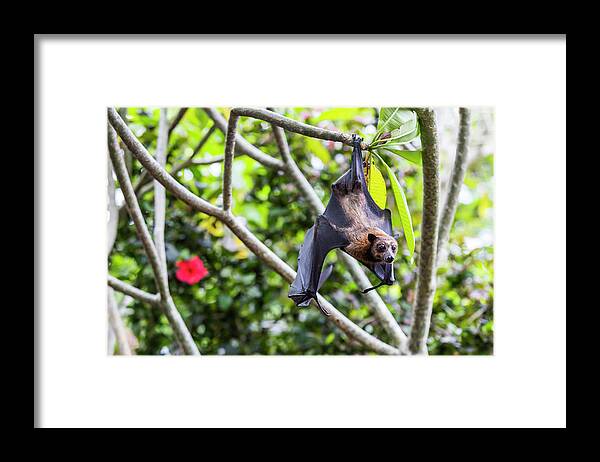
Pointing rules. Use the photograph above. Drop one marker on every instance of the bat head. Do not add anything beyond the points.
(383, 247)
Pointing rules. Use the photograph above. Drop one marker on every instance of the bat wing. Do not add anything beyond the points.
(384, 271)
(318, 242)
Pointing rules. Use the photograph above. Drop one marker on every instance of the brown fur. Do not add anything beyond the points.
(361, 225)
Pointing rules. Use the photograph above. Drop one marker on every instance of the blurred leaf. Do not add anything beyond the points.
(224, 301)
(123, 266)
(316, 147)
(213, 226)
(340, 114)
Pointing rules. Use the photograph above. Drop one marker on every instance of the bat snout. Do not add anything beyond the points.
(389, 259)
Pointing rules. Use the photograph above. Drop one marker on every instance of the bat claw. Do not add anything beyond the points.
(323, 310)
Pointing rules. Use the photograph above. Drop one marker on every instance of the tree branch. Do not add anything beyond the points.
(426, 274)
(251, 241)
(293, 126)
(176, 120)
(383, 314)
(138, 294)
(110, 341)
(113, 210)
(181, 332)
(244, 146)
(456, 180)
(160, 200)
(228, 164)
(116, 323)
(191, 161)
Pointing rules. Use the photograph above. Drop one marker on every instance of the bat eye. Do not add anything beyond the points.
(381, 247)
(394, 248)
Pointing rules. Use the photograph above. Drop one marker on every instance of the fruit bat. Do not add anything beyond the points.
(353, 222)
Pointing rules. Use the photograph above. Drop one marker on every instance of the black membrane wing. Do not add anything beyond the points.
(385, 271)
(318, 242)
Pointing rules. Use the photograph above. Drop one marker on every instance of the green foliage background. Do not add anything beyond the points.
(241, 307)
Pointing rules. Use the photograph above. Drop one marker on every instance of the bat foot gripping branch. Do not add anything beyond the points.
(323, 310)
(374, 287)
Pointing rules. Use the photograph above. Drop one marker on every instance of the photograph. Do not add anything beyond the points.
(300, 230)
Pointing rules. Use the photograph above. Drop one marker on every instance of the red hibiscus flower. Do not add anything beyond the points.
(191, 271)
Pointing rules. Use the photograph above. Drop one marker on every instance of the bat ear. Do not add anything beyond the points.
(371, 237)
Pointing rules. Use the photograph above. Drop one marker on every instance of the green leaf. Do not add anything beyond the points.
(317, 148)
(393, 118)
(411, 156)
(376, 184)
(401, 124)
(123, 266)
(402, 206)
(407, 128)
(224, 301)
(341, 114)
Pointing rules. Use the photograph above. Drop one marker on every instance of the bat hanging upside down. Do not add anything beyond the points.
(352, 222)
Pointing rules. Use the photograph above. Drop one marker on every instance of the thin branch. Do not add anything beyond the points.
(208, 161)
(181, 332)
(117, 325)
(212, 160)
(293, 126)
(143, 180)
(160, 200)
(228, 164)
(177, 119)
(252, 242)
(191, 161)
(128, 157)
(456, 180)
(425, 289)
(296, 174)
(242, 145)
(110, 341)
(113, 210)
(384, 316)
(138, 294)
